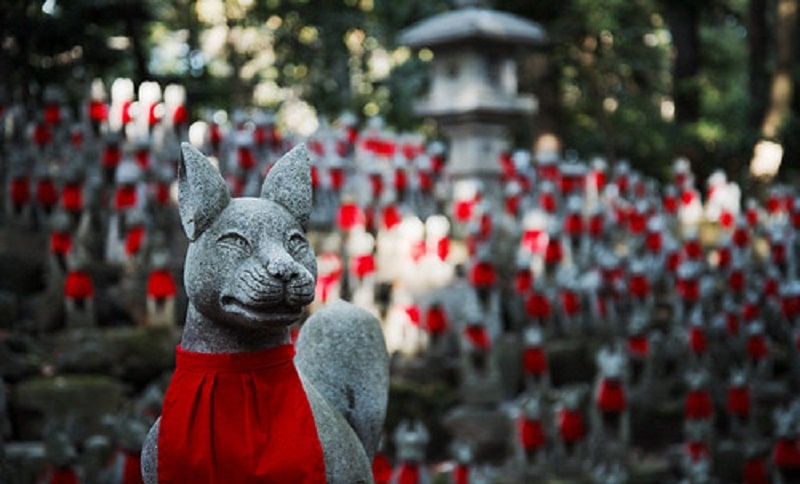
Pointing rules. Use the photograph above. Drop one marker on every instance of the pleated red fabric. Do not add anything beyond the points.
(238, 417)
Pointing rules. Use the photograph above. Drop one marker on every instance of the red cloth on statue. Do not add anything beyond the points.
(132, 468)
(78, 285)
(436, 320)
(478, 336)
(408, 473)
(639, 345)
(523, 281)
(443, 248)
(738, 401)
(755, 471)
(571, 427)
(363, 265)
(336, 174)
(72, 197)
(62, 476)
(246, 159)
(98, 111)
(142, 158)
(111, 157)
(161, 284)
(553, 253)
(570, 303)
(180, 115)
(534, 361)
(610, 396)
(697, 450)
(412, 311)
(390, 216)
(573, 224)
(511, 205)
(238, 417)
(757, 347)
(538, 306)
(125, 197)
(133, 240)
(698, 405)
(20, 190)
(786, 453)
(381, 468)
(162, 193)
(461, 474)
(376, 184)
(46, 192)
(689, 289)
(639, 285)
(462, 210)
(596, 225)
(750, 311)
(531, 433)
(698, 342)
(60, 242)
(349, 216)
(736, 281)
(482, 274)
(400, 179)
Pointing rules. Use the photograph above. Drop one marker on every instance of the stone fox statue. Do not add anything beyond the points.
(244, 405)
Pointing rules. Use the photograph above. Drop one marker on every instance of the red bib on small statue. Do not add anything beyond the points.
(238, 417)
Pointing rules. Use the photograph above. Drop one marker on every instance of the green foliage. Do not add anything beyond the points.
(612, 62)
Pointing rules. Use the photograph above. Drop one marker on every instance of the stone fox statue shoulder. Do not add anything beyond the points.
(244, 405)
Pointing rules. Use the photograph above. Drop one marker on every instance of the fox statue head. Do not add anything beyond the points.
(249, 264)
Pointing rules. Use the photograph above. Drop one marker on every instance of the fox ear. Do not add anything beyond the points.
(202, 192)
(288, 183)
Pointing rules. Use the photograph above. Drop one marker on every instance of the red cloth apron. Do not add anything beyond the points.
(571, 427)
(698, 405)
(610, 396)
(161, 284)
(531, 433)
(238, 417)
(381, 468)
(534, 361)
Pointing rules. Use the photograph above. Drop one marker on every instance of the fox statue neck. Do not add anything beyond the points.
(202, 335)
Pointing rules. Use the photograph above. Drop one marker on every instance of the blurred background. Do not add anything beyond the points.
(644, 80)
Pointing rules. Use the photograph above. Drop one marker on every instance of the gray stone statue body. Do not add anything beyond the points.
(249, 273)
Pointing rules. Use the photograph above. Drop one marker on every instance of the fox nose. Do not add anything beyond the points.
(282, 269)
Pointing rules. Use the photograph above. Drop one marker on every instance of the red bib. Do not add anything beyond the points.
(238, 417)
(698, 405)
(534, 361)
(531, 433)
(161, 284)
(610, 396)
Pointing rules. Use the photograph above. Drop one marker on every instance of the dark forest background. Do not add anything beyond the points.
(643, 80)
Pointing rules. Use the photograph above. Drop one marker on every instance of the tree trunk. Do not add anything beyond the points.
(757, 62)
(685, 27)
(781, 88)
(540, 76)
(133, 28)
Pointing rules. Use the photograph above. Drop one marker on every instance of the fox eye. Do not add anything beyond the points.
(296, 243)
(232, 240)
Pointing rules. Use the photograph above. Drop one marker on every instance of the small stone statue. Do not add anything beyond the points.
(240, 407)
(610, 413)
(411, 440)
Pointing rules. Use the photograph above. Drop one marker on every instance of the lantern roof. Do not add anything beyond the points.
(474, 23)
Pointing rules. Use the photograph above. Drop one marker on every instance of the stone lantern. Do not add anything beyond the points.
(473, 85)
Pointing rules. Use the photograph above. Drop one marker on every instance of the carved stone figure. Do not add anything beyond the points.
(239, 406)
